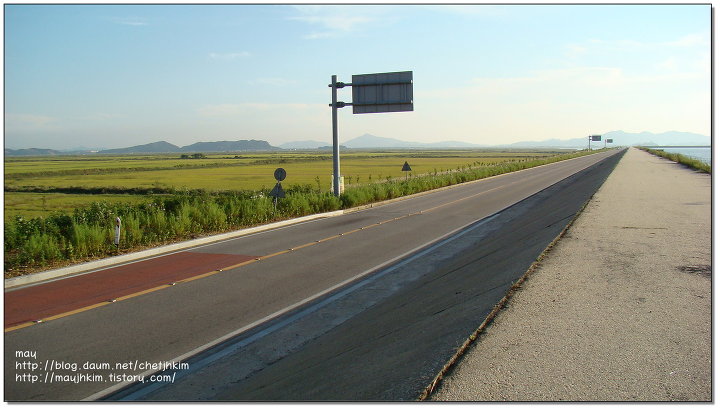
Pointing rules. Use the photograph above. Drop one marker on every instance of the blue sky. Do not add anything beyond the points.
(118, 75)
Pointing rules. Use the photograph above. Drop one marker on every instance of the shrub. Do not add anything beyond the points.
(41, 248)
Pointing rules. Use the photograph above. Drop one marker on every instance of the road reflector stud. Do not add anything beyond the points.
(37, 321)
(112, 300)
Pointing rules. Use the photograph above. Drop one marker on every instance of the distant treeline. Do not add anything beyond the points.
(190, 165)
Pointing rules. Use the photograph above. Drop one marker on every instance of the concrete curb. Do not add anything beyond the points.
(115, 260)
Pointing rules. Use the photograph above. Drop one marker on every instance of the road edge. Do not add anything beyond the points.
(475, 335)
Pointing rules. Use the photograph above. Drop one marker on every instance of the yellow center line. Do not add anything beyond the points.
(241, 264)
(20, 326)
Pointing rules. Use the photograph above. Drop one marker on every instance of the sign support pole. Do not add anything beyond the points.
(336, 145)
(380, 92)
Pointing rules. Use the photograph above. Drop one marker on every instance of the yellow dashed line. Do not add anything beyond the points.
(142, 292)
(240, 264)
(20, 326)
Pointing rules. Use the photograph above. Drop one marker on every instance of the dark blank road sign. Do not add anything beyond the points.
(382, 92)
(609, 141)
(278, 191)
(596, 137)
(280, 174)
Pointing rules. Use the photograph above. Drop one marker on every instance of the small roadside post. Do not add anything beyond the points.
(407, 169)
(117, 232)
(277, 191)
(372, 93)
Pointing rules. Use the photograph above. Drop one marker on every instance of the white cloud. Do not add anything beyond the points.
(689, 40)
(268, 121)
(316, 36)
(669, 64)
(229, 56)
(274, 81)
(473, 10)
(686, 41)
(233, 110)
(130, 21)
(335, 20)
(571, 102)
(28, 122)
(574, 50)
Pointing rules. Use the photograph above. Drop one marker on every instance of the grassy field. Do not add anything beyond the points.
(29, 181)
(33, 204)
(49, 229)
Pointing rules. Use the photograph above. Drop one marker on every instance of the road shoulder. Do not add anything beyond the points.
(619, 310)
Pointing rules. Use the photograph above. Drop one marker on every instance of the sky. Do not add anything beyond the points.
(111, 76)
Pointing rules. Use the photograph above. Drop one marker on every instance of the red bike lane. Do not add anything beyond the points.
(46, 300)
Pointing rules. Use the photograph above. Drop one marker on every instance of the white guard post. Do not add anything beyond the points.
(117, 231)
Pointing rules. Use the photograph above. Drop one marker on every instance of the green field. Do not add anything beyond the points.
(33, 204)
(61, 210)
(29, 181)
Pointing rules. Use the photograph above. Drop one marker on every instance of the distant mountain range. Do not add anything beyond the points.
(303, 144)
(620, 138)
(219, 146)
(372, 141)
(27, 152)
(665, 138)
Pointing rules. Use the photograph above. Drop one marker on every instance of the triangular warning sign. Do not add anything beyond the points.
(278, 191)
(406, 167)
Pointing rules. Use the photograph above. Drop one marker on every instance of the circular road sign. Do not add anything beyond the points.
(280, 174)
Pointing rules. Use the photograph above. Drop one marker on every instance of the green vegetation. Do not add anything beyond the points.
(69, 231)
(193, 156)
(42, 204)
(681, 159)
(222, 172)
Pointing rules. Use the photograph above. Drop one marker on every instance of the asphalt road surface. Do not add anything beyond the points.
(365, 306)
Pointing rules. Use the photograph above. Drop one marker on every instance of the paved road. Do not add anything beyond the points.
(249, 281)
